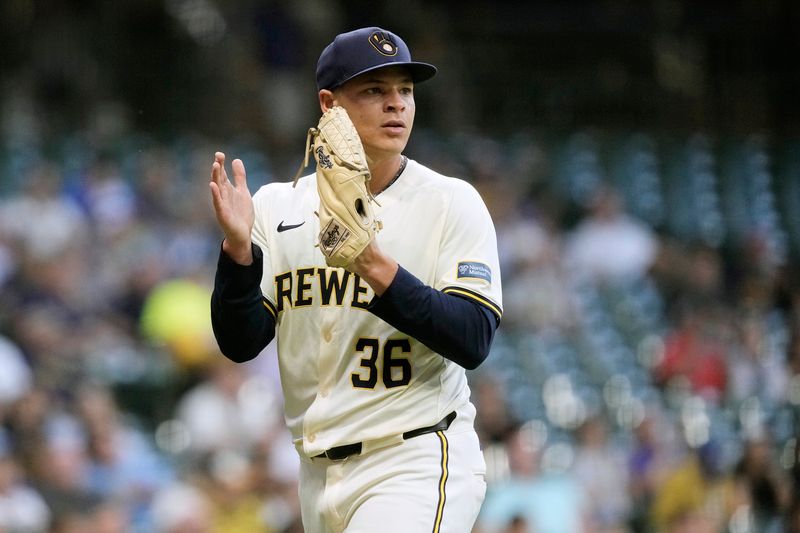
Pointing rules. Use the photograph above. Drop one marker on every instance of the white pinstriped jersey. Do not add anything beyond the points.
(347, 375)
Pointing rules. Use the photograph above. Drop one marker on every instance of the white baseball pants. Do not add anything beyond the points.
(432, 483)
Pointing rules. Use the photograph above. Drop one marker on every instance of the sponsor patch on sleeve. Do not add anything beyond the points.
(471, 269)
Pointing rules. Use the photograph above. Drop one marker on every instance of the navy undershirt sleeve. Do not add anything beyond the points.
(456, 328)
(243, 326)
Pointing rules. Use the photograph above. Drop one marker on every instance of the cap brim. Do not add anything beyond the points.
(419, 71)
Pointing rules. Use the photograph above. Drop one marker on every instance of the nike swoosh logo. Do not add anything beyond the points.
(282, 228)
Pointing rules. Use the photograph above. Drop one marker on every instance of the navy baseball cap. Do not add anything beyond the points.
(363, 50)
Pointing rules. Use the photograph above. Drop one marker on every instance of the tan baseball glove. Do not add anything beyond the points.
(346, 220)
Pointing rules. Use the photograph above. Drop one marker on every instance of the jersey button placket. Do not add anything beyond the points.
(326, 355)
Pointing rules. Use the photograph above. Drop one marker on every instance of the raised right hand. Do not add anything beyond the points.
(233, 207)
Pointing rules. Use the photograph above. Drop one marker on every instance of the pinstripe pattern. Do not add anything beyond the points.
(437, 524)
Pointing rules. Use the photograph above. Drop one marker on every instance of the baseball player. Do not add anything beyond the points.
(372, 345)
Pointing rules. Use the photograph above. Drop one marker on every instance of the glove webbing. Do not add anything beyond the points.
(313, 132)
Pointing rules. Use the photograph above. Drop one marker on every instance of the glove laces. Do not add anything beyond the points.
(313, 132)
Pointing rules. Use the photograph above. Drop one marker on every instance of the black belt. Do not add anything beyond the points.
(337, 453)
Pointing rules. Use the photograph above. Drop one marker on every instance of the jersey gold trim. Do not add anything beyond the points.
(270, 308)
(437, 523)
(471, 295)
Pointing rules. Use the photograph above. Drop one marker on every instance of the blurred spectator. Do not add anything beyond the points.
(793, 513)
(756, 367)
(493, 421)
(536, 292)
(542, 501)
(229, 409)
(8, 262)
(21, 507)
(228, 479)
(59, 470)
(695, 269)
(25, 421)
(243, 496)
(276, 480)
(766, 489)
(132, 264)
(793, 352)
(158, 186)
(521, 239)
(599, 467)
(693, 352)
(122, 464)
(39, 221)
(653, 453)
(16, 377)
(182, 508)
(50, 337)
(109, 200)
(697, 496)
(609, 244)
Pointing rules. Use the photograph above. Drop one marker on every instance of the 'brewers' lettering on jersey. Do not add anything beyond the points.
(438, 229)
(322, 286)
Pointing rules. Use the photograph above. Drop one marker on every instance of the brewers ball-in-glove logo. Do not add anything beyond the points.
(347, 223)
(383, 43)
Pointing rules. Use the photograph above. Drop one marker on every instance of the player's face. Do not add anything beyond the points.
(381, 106)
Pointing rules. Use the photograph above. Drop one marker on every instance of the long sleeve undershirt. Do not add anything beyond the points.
(456, 328)
(242, 324)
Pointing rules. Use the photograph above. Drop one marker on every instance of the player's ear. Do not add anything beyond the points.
(326, 100)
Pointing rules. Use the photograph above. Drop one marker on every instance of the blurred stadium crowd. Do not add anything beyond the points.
(646, 376)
